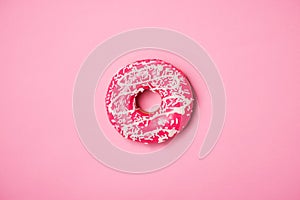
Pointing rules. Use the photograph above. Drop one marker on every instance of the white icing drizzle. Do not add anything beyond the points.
(157, 76)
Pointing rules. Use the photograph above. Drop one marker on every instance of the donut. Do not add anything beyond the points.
(155, 75)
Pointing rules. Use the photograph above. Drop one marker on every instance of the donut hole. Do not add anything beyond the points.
(148, 101)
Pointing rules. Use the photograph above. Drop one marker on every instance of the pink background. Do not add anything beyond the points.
(255, 45)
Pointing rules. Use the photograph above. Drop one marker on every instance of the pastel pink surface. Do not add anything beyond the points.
(255, 45)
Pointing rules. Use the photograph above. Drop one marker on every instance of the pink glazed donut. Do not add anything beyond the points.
(149, 127)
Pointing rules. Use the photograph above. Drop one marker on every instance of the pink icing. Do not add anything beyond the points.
(149, 127)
